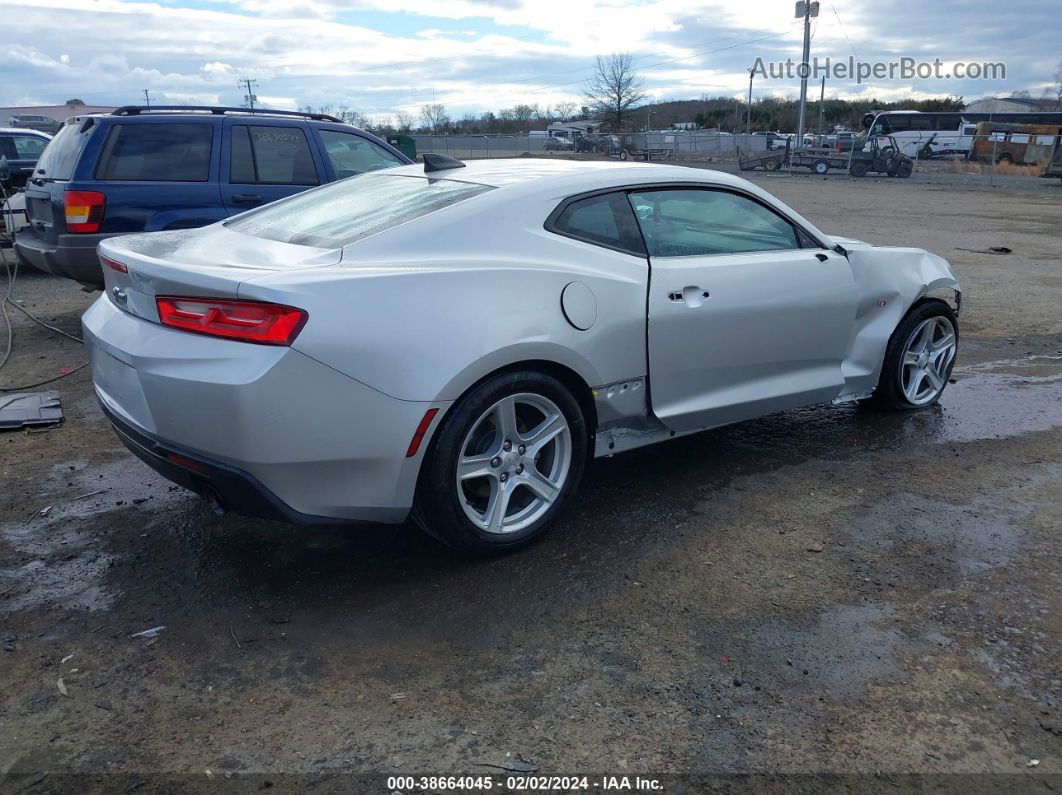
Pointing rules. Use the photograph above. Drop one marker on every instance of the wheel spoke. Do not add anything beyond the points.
(505, 417)
(914, 386)
(497, 505)
(545, 432)
(925, 336)
(934, 379)
(946, 341)
(539, 484)
(475, 466)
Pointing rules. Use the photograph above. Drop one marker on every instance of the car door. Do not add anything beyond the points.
(748, 315)
(264, 160)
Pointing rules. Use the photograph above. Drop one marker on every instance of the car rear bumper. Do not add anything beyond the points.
(265, 430)
(73, 257)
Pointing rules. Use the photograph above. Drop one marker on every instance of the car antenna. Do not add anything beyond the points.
(433, 162)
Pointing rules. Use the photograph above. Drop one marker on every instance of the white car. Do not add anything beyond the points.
(455, 342)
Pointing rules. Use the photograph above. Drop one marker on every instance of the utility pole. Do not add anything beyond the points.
(250, 85)
(147, 98)
(822, 98)
(806, 9)
(748, 121)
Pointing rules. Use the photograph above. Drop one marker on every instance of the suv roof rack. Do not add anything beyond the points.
(137, 110)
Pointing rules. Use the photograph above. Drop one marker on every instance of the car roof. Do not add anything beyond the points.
(587, 175)
(24, 131)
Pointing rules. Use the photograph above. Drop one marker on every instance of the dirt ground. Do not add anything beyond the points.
(828, 590)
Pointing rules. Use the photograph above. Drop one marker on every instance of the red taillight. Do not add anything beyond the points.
(84, 210)
(247, 321)
(121, 267)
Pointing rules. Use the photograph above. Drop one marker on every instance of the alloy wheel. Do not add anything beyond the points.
(927, 359)
(514, 463)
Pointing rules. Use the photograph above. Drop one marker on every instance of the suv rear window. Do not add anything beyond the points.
(59, 157)
(343, 212)
(157, 153)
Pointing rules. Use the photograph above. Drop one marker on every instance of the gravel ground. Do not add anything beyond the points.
(826, 590)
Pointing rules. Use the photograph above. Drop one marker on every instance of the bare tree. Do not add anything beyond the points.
(565, 110)
(434, 117)
(1053, 93)
(403, 121)
(614, 88)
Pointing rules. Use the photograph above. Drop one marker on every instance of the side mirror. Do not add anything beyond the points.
(5, 170)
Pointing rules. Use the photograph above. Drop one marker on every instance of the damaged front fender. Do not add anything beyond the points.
(889, 281)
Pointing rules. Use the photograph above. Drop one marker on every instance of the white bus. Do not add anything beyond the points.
(923, 135)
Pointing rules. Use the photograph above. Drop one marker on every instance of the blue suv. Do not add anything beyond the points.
(147, 169)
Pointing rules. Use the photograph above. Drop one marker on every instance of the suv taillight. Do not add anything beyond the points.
(246, 321)
(84, 210)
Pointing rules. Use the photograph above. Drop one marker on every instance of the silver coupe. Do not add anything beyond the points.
(454, 342)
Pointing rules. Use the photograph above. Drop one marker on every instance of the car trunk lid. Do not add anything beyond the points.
(208, 262)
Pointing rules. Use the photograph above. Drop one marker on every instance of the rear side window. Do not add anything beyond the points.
(343, 212)
(61, 154)
(271, 156)
(604, 220)
(157, 153)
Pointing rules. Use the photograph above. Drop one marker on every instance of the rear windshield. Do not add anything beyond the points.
(343, 212)
(59, 157)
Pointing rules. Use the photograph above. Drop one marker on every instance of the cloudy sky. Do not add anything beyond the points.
(383, 56)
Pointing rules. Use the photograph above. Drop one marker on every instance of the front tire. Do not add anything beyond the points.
(504, 462)
(918, 360)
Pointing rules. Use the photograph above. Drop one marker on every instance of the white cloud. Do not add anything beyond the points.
(502, 52)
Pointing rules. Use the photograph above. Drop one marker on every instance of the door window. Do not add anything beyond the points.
(157, 153)
(28, 147)
(351, 155)
(271, 156)
(683, 223)
(605, 220)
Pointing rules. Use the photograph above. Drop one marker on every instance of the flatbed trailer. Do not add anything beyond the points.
(770, 160)
(819, 159)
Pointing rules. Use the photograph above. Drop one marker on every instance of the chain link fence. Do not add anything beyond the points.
(684, 144)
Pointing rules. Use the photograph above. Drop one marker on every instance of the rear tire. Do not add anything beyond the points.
(821, 167)
(918, 359)
(503, 464)
(770, 164)
(904, 170)
(858, 169)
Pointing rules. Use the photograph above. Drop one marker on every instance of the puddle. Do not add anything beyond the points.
(1000, 399)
